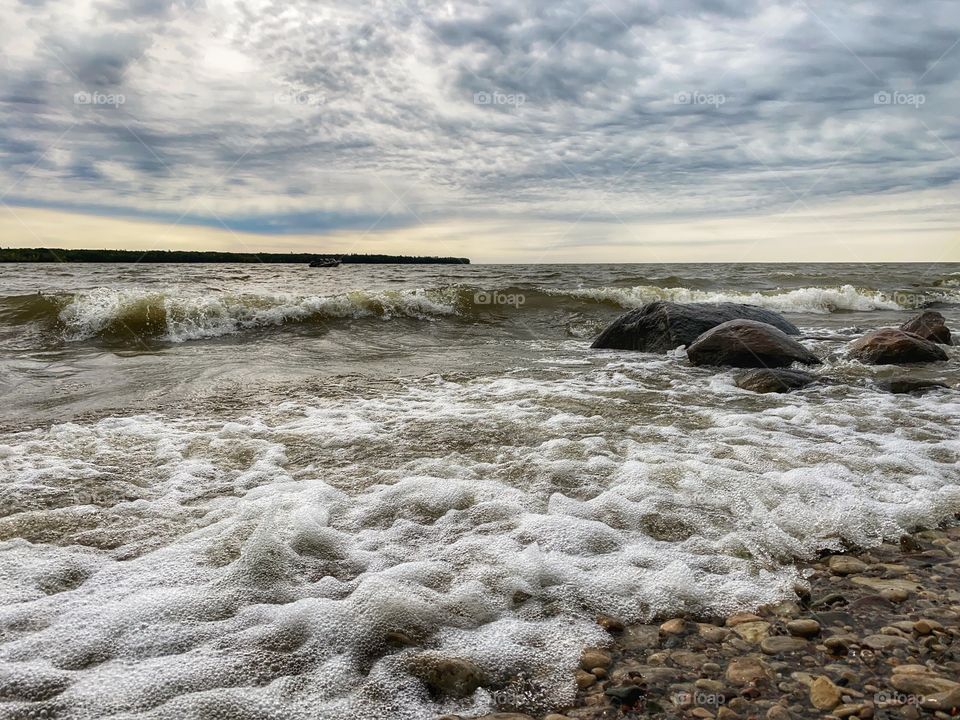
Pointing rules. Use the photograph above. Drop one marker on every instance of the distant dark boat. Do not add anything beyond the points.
(326, 262)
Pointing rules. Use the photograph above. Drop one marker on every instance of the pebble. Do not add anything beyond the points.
(846, 565)
(782, 644)
(677, 626)
(748, 669)
(594, 657)
(805, 627)
(742, 617)
(824, 695)
(778, 712)
(752, 631)
(884, 642)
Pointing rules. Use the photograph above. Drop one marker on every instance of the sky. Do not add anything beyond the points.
(504, 131)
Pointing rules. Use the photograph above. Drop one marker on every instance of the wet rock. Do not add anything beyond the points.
(824, 695)
(782, 644)
(882, 584)
(922, 684)
(776, 380)
(906, 386)
(947, 702)
(748, 669)
(748, 344)
(884, 642)
(593, 657)
(741, 618)
(778, 712)
(677, 626)
(805, 627)
(930, 325)
(753, 632)
(584, 679)
(845, 565)
(637, 637)
(507, 716)
(625, 694)
(895, 347)
(452, 677)
(662, 326)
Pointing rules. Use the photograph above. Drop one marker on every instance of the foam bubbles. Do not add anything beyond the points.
(312, 558)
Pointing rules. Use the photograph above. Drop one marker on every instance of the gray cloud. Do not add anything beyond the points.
(569, 110)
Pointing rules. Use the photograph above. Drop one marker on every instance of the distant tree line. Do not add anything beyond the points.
(38, 255)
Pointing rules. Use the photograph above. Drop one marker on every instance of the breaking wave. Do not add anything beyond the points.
(178, 316)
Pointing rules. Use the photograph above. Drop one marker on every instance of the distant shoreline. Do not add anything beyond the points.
(56, 255)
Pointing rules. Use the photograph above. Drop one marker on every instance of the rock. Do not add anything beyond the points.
(884, 642)
(712, 633)
(804, 627)
(881, 584)
(701, 713)
(747, 343)
(584, 679)
(625, 694)
(923, 626)
(638, 637)
(777, 380)
(753, 632)
(725, 713)
(930, 325)
(845, 565)
(946, 702)
(922, 684)
(610, 624)
(848, 709)
(677, 626)
(782, 644)
(894, 347)
(510, 716)
(663, 326)
(740, 618)
(778, 712)
(905, 386)
(748, 669)
(824, 694)
(592, 658)
(453, 677)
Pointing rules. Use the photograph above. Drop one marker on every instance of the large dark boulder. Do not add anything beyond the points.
(747, 343)
(661, 326)
(890, 346)
(775, 380)
(930, 325)
(904, 386)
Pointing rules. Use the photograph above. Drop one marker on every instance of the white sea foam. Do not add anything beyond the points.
(252, 566)
(821, 300)
(178, 315)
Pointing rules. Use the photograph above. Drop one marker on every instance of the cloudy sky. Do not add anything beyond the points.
(536, 131)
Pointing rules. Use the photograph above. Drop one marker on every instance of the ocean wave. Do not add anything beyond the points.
(819, 300)
(179, 317)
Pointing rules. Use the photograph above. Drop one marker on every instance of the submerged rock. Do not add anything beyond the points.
(903, 386)
(778, 380)
(930, 325)
(747, 343)
(450, 677)
(663, 326)
(890, 346)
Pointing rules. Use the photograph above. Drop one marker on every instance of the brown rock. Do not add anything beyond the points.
(725, 713)
(702, 713)
(454, 677)
(773, 380)
(922, 684)
(594, 657)
(748, 669)
(748, 344)
(884, 642)
(804, 627)
(929, 325)
(740, 618)
(824, 695)
(895, 347)
(752, 632)
(782, 644)
(845, 565)
(677, 626)
(778, 712)
(946, 702)
(584, 679)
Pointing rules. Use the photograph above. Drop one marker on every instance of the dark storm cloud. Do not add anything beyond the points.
(294, 114)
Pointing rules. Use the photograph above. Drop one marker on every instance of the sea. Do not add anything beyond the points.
(265, 491)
